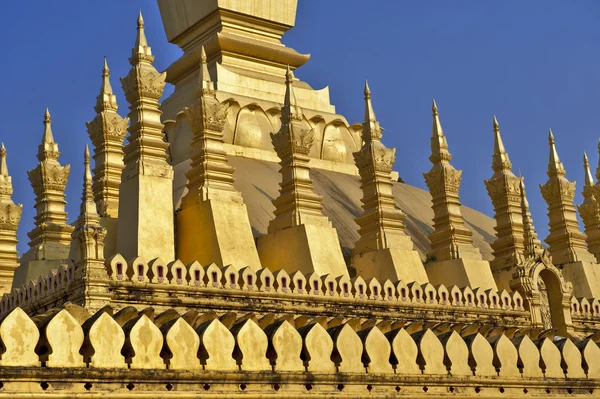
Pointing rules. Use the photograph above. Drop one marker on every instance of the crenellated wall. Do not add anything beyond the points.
(134, 351)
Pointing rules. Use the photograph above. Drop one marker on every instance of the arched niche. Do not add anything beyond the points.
(337, 144)
(253, 128)
(546, 294)
(230, 123)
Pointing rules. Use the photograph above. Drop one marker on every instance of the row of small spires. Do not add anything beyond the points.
(371, 129)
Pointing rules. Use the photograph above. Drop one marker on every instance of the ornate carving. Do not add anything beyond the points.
(375, 157)
(206, 115)
(143, 82)
(566, 242)
(294, 140)
(443, 180)
(107, 127)
(10, 215)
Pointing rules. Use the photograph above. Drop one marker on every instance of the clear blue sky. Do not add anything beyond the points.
(533, 64)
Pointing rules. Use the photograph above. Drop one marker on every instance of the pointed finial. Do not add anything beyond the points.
(106, 99)
(524, 202)
(555, 166)
(371, 128)
(290, 110)
(205, 85)
(437, 130)
(86, 161)
(3, 165)
(589, 179)
(500, 160)
(439, 145)
(48, 137)
(88, 206)
(141, 51)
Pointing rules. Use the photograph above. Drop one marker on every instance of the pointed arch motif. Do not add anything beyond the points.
(529, 277)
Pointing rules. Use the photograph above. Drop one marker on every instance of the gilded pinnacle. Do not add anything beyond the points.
(589, 179)
(290, 110)
(3, 166)
(555, 166)
(106, 99)
(48, 137)
(371, 128)
(48, 148)
(500, 160)
(141, 51)
(205, 85)
(439, 145)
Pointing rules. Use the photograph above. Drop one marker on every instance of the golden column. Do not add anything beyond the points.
(51, 236)
(87, 247)
(107, 131)
(383, 250)
(589, 211)
(533, 246)
(453, 259)
(10, 215)
(145, 225)
(88, 236)
(450, 238)
(566, 243)
(300, 237)
(504, 189)
(213, 223)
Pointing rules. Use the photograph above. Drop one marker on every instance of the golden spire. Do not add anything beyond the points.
(88, 236)
(51, 235)
(88, 212)
(10, 214)
(148, 177)
(204, 231)
(290, 110)
(107, 131)
(205, 85)
(297, 205)
(500, 160)
(371, 129)
(589, 211)
(589, 179)
(504, 189)
(450, 238)
(48, 149)
(381, 222)
(3, 165)
(532, 245)
(566, 242)
(106, 100)
(141, 52)
(439, 145)
(555, 166)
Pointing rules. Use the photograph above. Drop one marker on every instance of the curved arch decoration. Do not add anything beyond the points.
(546, 293)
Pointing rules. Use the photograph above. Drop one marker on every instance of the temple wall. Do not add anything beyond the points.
(136, 352)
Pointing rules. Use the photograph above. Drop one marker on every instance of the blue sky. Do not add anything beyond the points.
(533, 64)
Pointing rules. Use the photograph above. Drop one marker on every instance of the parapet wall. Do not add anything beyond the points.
(67, 351)
(174, 285)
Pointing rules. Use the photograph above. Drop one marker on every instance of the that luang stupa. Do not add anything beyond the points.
(239, 238)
